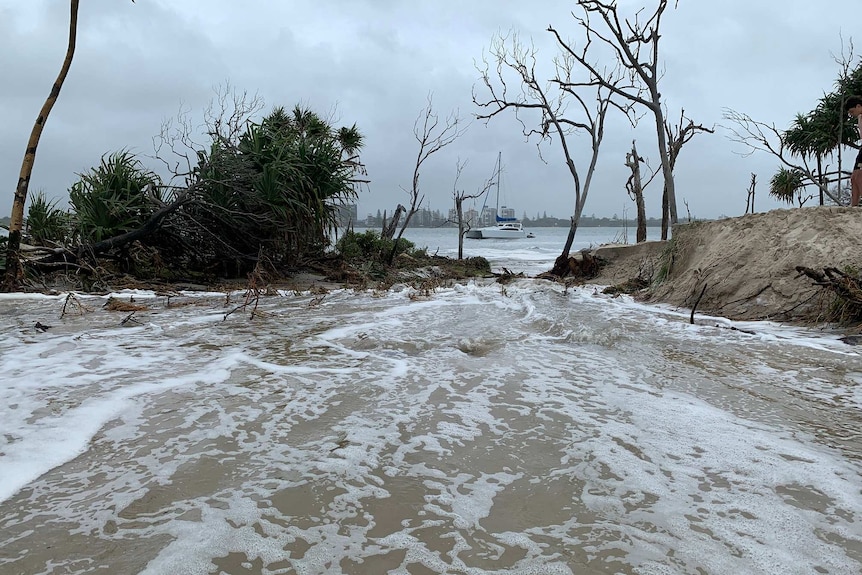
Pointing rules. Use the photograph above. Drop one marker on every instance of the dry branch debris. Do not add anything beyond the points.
(846, 287)
(114, 304)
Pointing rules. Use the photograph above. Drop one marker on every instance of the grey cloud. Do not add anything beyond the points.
(375, 62)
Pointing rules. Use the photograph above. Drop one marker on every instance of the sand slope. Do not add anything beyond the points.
(747, 263)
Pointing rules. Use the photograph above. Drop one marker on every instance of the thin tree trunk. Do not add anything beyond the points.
(635, 189)
(666, 166)
(460, 215)
(820, 178)
(13, 264)
(665, 216)
(639, 202)
(561, 264)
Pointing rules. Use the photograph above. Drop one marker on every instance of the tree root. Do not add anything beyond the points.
(846, 287)
(583, 266)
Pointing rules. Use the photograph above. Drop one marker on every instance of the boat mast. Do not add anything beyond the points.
(499, 169)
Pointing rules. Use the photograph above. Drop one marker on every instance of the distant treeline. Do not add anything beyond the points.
(435, 219)
(587, 222)
(4, 222)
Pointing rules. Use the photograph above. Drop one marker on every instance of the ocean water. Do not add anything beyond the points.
(479, 428)
(529, 255)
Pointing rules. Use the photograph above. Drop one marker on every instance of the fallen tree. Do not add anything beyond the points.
(846, 287)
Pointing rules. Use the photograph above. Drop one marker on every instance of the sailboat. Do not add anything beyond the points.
(507, 226)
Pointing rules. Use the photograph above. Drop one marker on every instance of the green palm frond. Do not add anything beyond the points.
(785, 184)
(114, 197)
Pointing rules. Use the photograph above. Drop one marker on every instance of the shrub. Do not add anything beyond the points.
(369, 246)
(112, 198)
(45, 223)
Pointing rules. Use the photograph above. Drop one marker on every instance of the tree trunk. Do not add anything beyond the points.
(820, 179)
(460, 215)
(635, 189)
(749, 201)
(666, 166)
(13, 263)
(561, 264)
(665, 215)
(390, 231)
(641, 233)
(389, 227)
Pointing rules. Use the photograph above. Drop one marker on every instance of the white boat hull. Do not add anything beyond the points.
(508, 232)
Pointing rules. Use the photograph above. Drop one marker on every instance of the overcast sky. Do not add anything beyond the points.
(374, 63)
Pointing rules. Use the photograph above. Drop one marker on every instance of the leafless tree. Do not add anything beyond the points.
(433, 134)
(225, 119)
(513, 60)
(763, 137)
(749, 200)
(459, 196)
(634, 187)
(635, 44)
(677, 136)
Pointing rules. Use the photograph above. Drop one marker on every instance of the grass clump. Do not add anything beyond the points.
(369, 246)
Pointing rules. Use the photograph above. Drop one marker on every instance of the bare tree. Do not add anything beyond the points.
(764, 137)
(551, 100)
(634, 187)
(635, 45)
(225, 118)
(677, 137)
(749, 200)
(433, 135)
(459, 196)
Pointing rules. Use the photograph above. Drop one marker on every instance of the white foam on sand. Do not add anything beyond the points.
(366, 425)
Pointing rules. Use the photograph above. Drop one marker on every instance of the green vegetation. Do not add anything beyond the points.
(668, 258)
(113, 198)
(262, 199)
(261, 191)
(45, 223)
(369, 246)
(274, 190)
(816, 137)
(367, 253)
(787, 185)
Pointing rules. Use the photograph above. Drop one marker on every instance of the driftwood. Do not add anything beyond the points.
(583, 266)
(694, 307)
(846, 288)
(114, 304)
(63, 258)
(629, 286)
(844, 285)
(508, 275)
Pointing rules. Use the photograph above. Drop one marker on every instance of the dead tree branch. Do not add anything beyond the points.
(635, 45)
(433, 134)
(759, 136)
(514, 63)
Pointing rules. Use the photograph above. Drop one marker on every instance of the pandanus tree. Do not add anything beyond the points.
(812, 136)
(275, 189)
(788, 185)
(813, 139)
